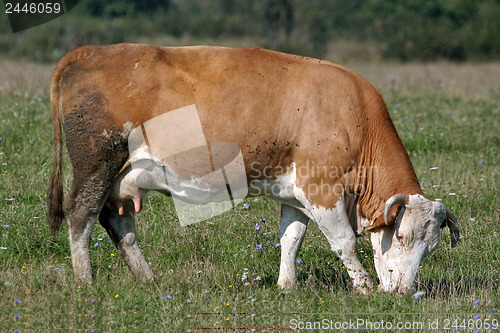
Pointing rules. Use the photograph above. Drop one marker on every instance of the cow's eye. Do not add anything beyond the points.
(400, 238)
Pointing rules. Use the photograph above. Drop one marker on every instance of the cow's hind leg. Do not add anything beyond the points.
(98, 149)
(292, 231)
(82, 206)
(121, 229)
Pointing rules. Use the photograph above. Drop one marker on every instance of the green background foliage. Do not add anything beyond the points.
(398, 29)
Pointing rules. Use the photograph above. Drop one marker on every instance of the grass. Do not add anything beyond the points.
(448, 116)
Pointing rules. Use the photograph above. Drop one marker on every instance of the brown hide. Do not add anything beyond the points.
(277, 108)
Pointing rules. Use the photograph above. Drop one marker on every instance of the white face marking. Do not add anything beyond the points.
(400, 249)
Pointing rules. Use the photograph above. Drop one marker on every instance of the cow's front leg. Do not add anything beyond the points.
(335, 225)
(292, 231)
(121, 229)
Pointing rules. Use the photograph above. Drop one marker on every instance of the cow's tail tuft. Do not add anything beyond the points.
(55, 192)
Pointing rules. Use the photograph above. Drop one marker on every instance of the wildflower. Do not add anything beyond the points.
(117, 295)
(257, 227)
(18, 301)
(300, 261)
(247, 206)
(207, 299)
(92, 301)
(398, 106)
(263, 219)
(277, 245)
(107, 239)
(476, 317)
(492, 310)
(259, 246)
(168, 297)
(92, 316)
(5, 225)
(17, 316)
(476, 302)
(96, 244)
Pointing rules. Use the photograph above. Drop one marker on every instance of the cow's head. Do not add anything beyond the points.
(400, 247)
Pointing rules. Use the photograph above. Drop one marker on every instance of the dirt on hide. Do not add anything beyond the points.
(97, 149)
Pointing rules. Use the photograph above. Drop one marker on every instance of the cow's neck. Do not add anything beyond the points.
(385, 168)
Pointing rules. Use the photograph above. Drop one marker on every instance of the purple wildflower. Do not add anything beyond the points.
(257, 227)
(259, 246)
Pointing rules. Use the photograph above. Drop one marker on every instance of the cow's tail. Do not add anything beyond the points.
(55, 192)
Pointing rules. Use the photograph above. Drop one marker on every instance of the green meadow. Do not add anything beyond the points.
(212, 275)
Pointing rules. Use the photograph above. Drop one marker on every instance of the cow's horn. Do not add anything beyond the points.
(452, 223)
(397, 199)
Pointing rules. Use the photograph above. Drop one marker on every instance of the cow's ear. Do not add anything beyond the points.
(379, 222)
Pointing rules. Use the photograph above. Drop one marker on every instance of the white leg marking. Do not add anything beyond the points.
(80, 250)
(292, 231)
(334, 223)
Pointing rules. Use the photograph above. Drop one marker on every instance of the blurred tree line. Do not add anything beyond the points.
(402, 29)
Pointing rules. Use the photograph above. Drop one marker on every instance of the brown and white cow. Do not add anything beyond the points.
(316, 133)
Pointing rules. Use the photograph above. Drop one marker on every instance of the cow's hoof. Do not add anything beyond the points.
(287, 284)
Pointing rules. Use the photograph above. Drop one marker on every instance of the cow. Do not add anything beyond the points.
(316, 133)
